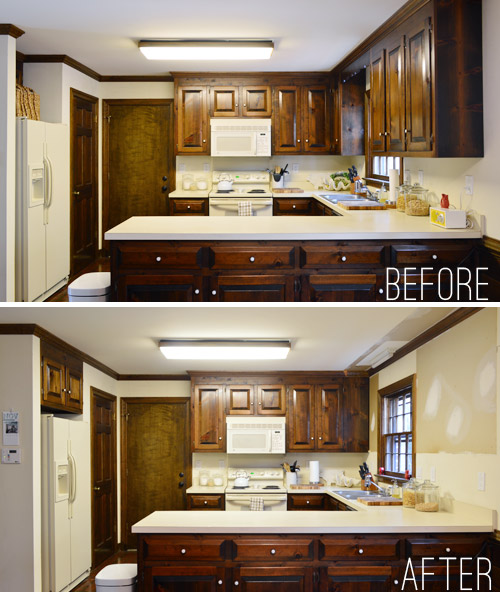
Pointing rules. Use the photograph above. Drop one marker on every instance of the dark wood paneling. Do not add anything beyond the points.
(256, 101)
(316, 120)
(207, 412)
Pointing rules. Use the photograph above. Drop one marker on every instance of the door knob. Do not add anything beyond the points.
(181, 483)
(164, 178)
(97, 488)
(76, 193)
(164, 188)
(181, 474)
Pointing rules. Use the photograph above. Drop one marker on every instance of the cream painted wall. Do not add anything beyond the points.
(469, 351)
(137, 90)
(20, 508)
(448, 175)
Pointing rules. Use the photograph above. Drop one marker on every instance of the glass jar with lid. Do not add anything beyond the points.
(416, 202)
(409, 491)
(427, 497)
(402, 190)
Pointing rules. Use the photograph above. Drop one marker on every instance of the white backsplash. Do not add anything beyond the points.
(330, 464)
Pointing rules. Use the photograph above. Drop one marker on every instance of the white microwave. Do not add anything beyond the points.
(255, 435)
(240, 137)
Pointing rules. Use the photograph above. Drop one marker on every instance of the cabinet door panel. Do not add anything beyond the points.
(208, 424)
(357, 578)
(377, 102)
(160, 288)
(287, 124)
(317, 132)
(329, 417)
(185, 579)
(418, 88)
(273, 579)
(395, 96)
(259, 288)
(192, 120)
(239, 400)
(256, 101)
(74, 389)
(300, 418)
(54, 381)
(340, 288)
(224, 101)
(271, 399)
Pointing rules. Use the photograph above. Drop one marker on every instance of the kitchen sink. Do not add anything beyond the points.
(336, 197)
(354, 495)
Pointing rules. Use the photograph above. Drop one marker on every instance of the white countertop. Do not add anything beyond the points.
(189, 193)
(352, 225)
(200, 490)
(375, 519)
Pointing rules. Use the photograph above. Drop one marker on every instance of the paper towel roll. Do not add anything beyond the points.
(313, 471)
(393, 184)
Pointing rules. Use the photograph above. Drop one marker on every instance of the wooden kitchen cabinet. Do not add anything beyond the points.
(293, 206)
(340, 288)
(259, 399)
(306, 501)
(278, 579)
(240, 101)
(188, 206)
(61, 379)
(192, 125)
(368, 578)
(208, 428)
(252, 288)
(181, 578)
(205, 501)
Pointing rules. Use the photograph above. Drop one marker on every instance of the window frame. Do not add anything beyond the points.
(391, 391)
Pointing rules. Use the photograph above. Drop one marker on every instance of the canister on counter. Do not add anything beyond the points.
(416, 202)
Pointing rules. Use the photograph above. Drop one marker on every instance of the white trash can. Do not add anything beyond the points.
(91, 287)
(119, 577)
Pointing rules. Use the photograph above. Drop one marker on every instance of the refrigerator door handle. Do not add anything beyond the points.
(49, 201)
(46, 189)
(72, 484)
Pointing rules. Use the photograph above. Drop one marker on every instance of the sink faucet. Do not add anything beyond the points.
(360, 188)
(369, 481)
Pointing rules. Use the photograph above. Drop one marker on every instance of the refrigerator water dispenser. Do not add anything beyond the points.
(37, 185)
(61, 474)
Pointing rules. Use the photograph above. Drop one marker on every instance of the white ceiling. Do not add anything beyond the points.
(323, 338)
(103, 34)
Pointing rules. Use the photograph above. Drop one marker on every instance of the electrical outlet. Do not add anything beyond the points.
(433, 474)
(222, 464)
(197, 464)
(419, 473)
(421, 178)
(469, 185)
(206, 167)
(182, 168)
(407, 177)
(295, 168)
(481, 481)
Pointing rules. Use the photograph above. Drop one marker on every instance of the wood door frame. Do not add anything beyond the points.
(108, 396)
(106, 104)
(124, 402)
(78, 94)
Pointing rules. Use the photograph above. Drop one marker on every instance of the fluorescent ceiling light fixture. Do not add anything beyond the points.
(381, 353)
(239, 349)
(210, 49)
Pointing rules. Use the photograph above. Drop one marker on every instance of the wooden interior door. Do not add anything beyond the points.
(103, 459)
(156, 458)
(84, 184)
(138, 159)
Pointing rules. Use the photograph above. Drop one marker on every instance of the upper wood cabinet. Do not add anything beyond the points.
(259, 399)
(240, 101)
(61, 379)
(207, 419)
(301, 119)
(192, 125)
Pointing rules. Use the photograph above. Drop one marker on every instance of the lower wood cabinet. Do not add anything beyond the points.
(258, 288)
(61, 380)
(205, 501)
(188, 206)
(360, 578)
(182, 579)
(277, 579)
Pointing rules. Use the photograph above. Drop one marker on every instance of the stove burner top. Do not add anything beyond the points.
(271, 487)
(241, 486)
(257, 191)
(225, 190)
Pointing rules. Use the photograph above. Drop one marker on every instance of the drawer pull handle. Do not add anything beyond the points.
(236, 583)
(214, 292)
(294, 206)
(344, 258)
(205, 502)
(361, 551)
(183, 551)
(434, 257)
(273, 551)
(448, 549)
(252, 259)
(196, 291)
(220, 582)
(158, 259)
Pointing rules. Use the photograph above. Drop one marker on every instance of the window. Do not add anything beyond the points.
(382, 164)
(396, 442)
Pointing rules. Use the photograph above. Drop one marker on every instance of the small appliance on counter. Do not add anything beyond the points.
(446, 218)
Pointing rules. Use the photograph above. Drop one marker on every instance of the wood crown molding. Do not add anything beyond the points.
(61, 59)
(12, 30)
(444, 325)
(286, 373)
(153, 377)
(137, 78)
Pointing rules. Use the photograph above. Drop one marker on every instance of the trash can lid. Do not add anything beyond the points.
(96, 283)
(118, 574)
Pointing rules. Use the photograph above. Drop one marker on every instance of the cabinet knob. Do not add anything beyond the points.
(164, 188)
(294, 206)
(381, 133)
(273, 551)
(298, 141)
(164, 178)
(189, 207)
(434, 257)
(361, 551)
(320, 438)
(97, 488)
(381, 290)
(307, 140)
(219, 582)
(204, 141)
(183, 551)
(244, 104)
(76, 193)
(308, 502)
(69, 392)
(448, 549)
(396, 582)
(181, 474)
(252, 259)
(236, 104)
(407, 131)
(214, 292)
(158, 259)
(236, 583)
(336, 139)
(64, 390)
(344, 258)
(196, 291)
(205, 502)
(220, 437)
(312, 437)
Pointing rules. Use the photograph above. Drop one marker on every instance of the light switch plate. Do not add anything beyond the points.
(419, 473)
(11, 456)
(421, 178)
(206, 167)
(182, 168)
(469, 185)
(433, 474)
(295, 168)
(197, 464)
(481, 481)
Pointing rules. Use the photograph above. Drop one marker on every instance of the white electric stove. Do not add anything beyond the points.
(263, 483)
(248, 186)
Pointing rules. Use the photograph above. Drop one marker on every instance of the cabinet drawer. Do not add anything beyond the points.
(252, 257)
(430, 255)
(467, 546)
(332, 548)
(159, 257)
(292, 206)
(273, 549)
(306, 501)
(205, 502)
(158, 548)
(188, 207)
(342, 256)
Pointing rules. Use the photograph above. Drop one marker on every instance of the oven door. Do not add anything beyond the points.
(240, 502)
(228, 206)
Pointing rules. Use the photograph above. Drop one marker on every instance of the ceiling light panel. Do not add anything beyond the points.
(224, 350)
(206, 50)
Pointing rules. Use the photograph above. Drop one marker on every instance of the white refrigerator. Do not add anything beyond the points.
(42, 208)
(66, 499)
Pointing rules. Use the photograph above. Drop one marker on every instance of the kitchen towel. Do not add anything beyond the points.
(313, 471)
(393, 184)
(256, 504)
(245, 208)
